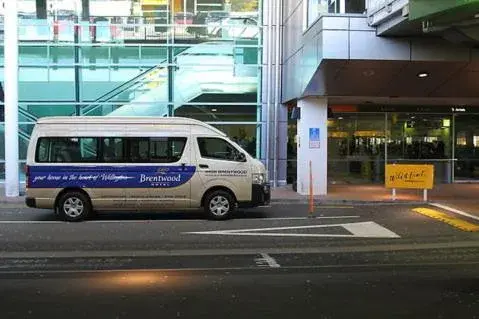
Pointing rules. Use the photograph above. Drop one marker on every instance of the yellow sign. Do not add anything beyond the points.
(154, 2)
(410, 176)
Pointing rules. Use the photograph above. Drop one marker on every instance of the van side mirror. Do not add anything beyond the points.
(240, 157)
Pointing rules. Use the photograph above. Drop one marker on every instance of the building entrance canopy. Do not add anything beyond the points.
(446, 81)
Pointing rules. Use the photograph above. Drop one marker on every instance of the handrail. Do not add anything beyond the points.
(117, 90)
(127, 82)
(27, 114)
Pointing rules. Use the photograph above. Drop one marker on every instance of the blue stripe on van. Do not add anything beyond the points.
(109, 176)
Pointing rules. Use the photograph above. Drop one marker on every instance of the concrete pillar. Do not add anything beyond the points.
(311, 147)
(12, 182)
(41, 6)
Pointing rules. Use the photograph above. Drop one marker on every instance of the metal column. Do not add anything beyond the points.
(170, 52)
(12, 180)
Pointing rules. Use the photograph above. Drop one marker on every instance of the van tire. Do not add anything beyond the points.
(74, 207)
(219, 205)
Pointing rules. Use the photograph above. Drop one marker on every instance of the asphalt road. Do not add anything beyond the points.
(362, 262)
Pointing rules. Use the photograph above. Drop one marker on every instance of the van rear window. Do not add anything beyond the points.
(110, 149)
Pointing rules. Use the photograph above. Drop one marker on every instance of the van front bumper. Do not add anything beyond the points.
(260, 196)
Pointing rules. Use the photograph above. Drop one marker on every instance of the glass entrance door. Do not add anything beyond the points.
(466, 167)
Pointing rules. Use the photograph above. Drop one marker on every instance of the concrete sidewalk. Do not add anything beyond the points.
(459, 196)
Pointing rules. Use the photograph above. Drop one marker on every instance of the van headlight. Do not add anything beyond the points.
(259, 178)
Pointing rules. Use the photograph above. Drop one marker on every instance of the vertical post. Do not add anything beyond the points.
(342, 6)
(76, 53)
(277, 89)
(453, 146)
(424, 195)
(386, 139)
(195, 6)
(267, 86)
(311, 195)
(170, 40)
(394, 194)
(12, 181)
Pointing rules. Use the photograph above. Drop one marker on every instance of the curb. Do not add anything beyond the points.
(20, 201)
(333, 202)
(317, 202)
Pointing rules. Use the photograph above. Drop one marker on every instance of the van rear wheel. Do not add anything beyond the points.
(74, 207)
(219, 205)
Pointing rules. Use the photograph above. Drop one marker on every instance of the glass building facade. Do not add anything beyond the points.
(212, 60)
(192, 58)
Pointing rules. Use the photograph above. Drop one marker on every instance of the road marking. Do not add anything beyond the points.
(216, 269)
(333, 207)
(304, 218)
(238, 251)
(362, 229)
(30, 222)
(161, 220)
(268, 260)
(456, 211)
(453, 221)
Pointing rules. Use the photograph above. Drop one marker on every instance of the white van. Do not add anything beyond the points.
(79, 165)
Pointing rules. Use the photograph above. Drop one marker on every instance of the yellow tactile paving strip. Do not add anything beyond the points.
(448, 219)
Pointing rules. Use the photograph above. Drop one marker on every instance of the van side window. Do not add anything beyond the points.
(139, 149)
(217, 148)
(113, 149)
(167, 149)
(67, 150)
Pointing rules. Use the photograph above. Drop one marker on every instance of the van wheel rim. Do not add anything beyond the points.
(219, 206)
(73, 207)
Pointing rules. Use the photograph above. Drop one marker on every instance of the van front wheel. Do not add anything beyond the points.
(219, 205)
(74, 207)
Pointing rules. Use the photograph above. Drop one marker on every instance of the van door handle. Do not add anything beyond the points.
(204, 166)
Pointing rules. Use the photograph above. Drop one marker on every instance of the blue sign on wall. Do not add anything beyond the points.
(109, 176)
(314, 137)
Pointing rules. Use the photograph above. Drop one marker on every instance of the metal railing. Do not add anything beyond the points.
(135, 29)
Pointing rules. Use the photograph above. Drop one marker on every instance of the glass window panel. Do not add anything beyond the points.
(62, 55)
(33, 74)
(153, 55)
(67, 150)
(356, 147)
(167, 150)
(2, 141)
(114, 150)
(219, 113)
(217, 148)
(245, 135)
(63, 74)
(32, 55)
(316, 8)
(467, 147)
(138, 150)
(419, 136)
(91, 55)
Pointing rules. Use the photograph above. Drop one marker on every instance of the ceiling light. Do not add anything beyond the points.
(422, 75)
(214, 110)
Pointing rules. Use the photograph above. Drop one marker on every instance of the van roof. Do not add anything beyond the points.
(125, 120)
